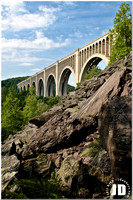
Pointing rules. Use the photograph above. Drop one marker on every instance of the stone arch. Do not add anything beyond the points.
(96, 47)
(40, 87)
(24, 88)
(93, 51)
(21, 89)
(107, 46)
(90, 50)
(34, 84)
(103, 46)
(100, 47)
(93, 60)
(50, 85)
(87, 52)
(63, 80)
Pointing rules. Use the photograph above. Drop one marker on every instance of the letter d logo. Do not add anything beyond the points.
(113, 192)
(121, 189)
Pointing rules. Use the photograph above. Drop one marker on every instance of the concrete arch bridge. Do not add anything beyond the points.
(57, 75)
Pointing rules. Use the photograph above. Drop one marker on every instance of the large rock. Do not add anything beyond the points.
(59, 132)
(39, 167)
(69, 168)
(112, 87)
(10, 167)
(115, 130)
(44, 117)
(11, 155)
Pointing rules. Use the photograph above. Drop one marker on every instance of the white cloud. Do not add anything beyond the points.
(19, 56)
(16, 18)
(35, 69)
(39, 43)
(26, 64)
(97, 28)
(76, 34)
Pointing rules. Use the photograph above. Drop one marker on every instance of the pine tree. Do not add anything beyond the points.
(94, 70)
(121, 34)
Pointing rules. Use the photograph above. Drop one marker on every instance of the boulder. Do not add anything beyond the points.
(102, 161)
(44, 117)
(115, 130)
(36, 167)
(68, 170)
(10, 167)
(58, 133)
(112, 87)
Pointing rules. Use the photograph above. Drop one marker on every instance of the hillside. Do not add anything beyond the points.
(12, 81)
(83, 142)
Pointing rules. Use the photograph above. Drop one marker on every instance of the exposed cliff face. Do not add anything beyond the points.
(70, 134)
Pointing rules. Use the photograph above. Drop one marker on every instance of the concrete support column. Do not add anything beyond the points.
(77, 65)
(36, 85)
(109, 47)
(30, 82)
(105, 47)
(44, 82)
(57, 78)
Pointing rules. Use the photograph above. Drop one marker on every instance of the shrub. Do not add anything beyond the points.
(36, 189)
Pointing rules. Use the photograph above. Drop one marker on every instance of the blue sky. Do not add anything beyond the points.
(36, 34)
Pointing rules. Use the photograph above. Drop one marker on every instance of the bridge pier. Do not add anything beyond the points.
(57, 77)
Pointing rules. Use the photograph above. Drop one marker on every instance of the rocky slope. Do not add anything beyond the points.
(87, 138)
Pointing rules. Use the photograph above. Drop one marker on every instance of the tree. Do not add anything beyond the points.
(12, 118)
(121, 34)
(94, 70)
(30, 108)
(4, 92)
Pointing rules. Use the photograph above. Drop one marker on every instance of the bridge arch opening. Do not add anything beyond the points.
(67, 82)
(34, 84)
(21, 89)
(51, 87)
(24, 88)
(28, 86)
(41, 88)
(100, 60)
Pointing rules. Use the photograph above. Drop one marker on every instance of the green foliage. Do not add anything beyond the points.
(36, 189)
(53, 100)
(4, 92)
(70, 88)
(93, 71)
(93, 148)
(35, 105)
(78, 84)
(121, 34)
(12, 118)
(75, 109)
(31, 108)
(13, 195)
(19, 107)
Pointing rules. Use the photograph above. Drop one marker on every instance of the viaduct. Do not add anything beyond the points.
(77, 63)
